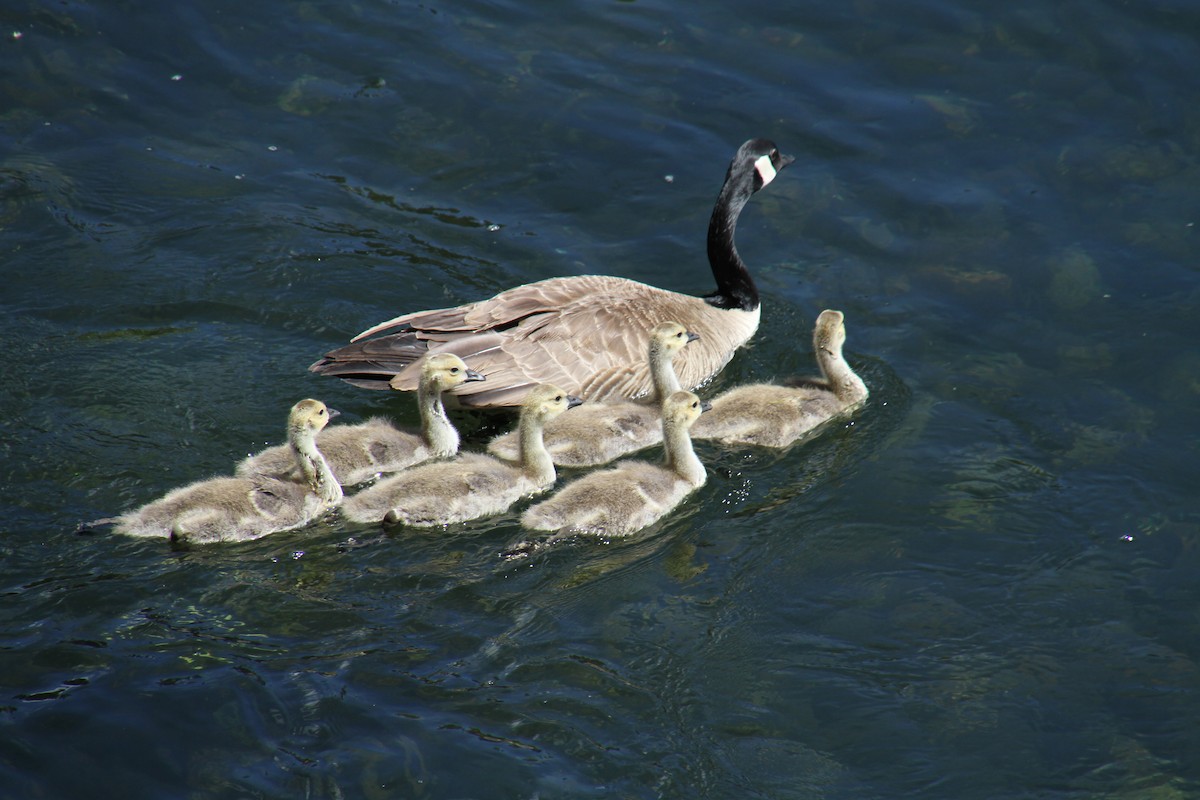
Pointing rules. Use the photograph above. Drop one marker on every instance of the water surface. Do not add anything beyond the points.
(982, 585)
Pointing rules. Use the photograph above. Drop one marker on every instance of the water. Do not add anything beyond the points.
(981, 586)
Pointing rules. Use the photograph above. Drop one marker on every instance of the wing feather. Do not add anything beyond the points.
(588, 334)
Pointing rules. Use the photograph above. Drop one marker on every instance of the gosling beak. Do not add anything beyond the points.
(691, 337)
(705, 406)
(333, 412)
(573, 401)
(472, 375)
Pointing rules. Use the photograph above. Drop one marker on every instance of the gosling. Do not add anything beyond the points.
(634, 494)
(235, 509)
(474, 484)
(358, 453)
(597, 433)
(776, 416)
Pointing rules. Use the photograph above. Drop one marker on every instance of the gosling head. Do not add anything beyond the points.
(829, 334)
(671, 337)
(444, 371)
(685, 408)
(547, 401)
(310, 416)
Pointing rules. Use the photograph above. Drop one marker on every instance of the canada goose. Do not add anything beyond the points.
(585, 333)
(596, 433)
(633, 494)
(237, 509)
(472, 485)
(775, 416)
(358, 453)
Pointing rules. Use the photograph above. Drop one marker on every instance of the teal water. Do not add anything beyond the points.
(984, 585)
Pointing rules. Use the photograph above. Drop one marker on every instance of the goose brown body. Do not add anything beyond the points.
(585, 333)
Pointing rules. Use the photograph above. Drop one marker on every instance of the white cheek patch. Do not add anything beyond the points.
(766, 170)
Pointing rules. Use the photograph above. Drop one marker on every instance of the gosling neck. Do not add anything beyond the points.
(662, 371)
(440, 435)
(681, 457)
(534, 458)
(842, 380)
(313, 465)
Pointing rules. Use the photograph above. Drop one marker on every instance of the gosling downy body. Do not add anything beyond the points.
(473, 485)
(238, 509)
(585, 333)
(596, 433)
(625, 498)
(776, 416)
(358, 453)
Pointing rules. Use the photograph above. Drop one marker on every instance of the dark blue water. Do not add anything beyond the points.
(984, 585)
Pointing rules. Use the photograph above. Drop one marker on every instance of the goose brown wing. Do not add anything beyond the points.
(595, 349)
(588, 334)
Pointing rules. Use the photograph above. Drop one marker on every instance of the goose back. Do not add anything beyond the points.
(593, 343)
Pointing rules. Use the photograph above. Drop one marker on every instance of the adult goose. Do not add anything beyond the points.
(473, 485)
(775, 416)
(358, 453)
(633, 494)
(237, 509)
(596, 433)
(585, 333)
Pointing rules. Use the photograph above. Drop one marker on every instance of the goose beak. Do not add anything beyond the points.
(784, 160)
(573, 401)
(472, 375)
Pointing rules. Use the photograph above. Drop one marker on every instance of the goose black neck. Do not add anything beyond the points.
(735, 287)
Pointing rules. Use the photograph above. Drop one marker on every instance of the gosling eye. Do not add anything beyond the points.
(454, 370)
